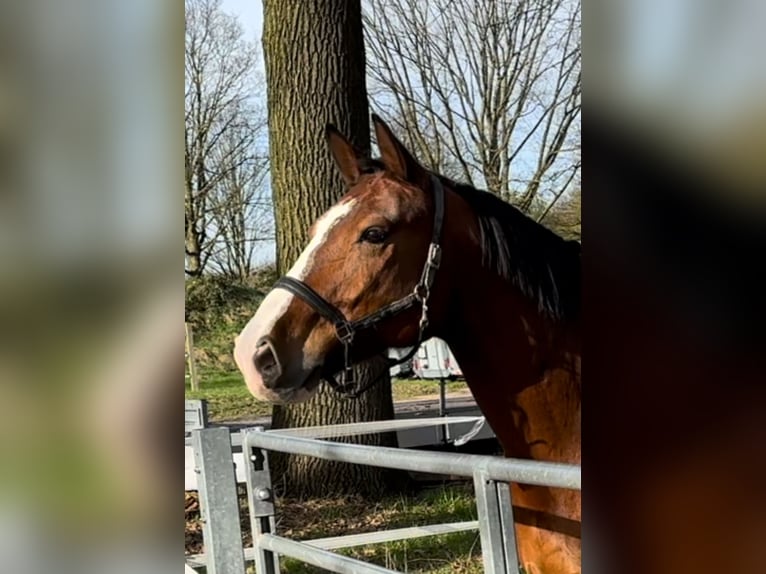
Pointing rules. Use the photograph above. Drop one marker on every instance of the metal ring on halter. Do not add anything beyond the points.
(434, 256)
(421, 292)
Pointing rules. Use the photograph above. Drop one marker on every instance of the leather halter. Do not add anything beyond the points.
(345, 330)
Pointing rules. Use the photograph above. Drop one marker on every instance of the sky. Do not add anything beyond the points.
(250, 13)
(655, 67)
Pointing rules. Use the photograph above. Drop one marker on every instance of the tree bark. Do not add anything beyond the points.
(192, 239)
(315, 73)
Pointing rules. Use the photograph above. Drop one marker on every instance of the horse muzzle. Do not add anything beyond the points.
(267, 373)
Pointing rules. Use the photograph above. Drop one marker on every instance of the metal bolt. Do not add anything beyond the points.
(263, 494)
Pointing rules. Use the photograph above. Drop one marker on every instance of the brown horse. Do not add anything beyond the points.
(504, 294)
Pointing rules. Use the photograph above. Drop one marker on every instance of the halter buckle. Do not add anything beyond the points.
(348, 371)
(344, 332)
(348, 384)
(434, 255)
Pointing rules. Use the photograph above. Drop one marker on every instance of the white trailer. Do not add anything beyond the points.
(434, 360)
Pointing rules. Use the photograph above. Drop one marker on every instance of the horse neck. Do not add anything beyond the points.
(522, 369)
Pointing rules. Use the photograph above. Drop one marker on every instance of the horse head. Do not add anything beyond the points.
(370, 278)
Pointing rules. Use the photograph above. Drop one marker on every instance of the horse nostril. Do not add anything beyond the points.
(266, 362)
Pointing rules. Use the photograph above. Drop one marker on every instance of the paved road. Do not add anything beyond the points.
(462, 405)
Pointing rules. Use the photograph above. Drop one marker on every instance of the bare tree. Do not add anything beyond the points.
(564, 217)
(563, 213)
(223, 199)
(485, 90)
(240, 210)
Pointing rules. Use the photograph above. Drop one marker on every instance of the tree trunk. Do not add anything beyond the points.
(192, 243)
(315, 73)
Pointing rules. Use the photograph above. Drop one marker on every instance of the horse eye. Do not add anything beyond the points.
(374, 235)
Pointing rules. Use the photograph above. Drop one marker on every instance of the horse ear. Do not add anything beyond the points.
(346, 156)
(395, 156)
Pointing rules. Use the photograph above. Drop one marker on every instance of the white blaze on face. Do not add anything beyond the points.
(276, 302)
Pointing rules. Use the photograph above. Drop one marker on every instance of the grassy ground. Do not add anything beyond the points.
(229, 400)
(449, 553)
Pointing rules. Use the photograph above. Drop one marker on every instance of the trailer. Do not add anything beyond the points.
(402, 370)
(434, 360)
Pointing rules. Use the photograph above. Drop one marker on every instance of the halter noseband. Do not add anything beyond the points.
(346, 330)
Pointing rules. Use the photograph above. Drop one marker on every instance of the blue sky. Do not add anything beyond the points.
(250, 13)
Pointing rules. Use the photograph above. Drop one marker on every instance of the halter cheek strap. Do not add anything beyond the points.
(346, 330)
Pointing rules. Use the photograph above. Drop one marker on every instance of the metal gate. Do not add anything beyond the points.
(220, 510)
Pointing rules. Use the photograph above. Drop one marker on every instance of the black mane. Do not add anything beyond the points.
(542, 265)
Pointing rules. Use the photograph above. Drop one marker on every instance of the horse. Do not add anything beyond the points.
(407, 254)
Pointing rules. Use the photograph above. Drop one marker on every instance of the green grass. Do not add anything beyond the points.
(318, 518)
(443, 554)
(405, 389)
(228, 397)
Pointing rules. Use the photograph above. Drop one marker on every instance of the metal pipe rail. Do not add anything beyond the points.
(354, 429)
(318, 557)
(555, 475)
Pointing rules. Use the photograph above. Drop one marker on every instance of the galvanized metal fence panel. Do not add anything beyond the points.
(380, 536)
(491, 476)
(219, 506)
(260, 498)
(195, 415)
(377, 537)
(551, 474)
(356, 429)
(498, 536)
(321, 558)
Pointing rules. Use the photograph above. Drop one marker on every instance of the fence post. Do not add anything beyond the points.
(260, 498)
(443, 409)
(190, 357)
(496, 528)
(218, 502)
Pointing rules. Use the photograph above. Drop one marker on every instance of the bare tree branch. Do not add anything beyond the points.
(224, 199)
(486, 91)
